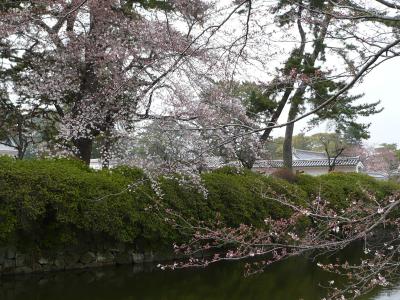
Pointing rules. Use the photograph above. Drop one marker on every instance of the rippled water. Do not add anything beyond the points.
(296, 278)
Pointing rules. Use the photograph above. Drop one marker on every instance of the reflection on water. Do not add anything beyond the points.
(388, 295)
(296, 278)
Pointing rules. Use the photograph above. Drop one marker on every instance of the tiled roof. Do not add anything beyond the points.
(308, 155)
(301, 158)
(348, 161)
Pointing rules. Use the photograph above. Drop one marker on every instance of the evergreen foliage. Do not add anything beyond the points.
(50, 204)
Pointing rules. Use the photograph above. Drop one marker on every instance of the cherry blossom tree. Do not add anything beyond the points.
(97, 63)
(204, 142)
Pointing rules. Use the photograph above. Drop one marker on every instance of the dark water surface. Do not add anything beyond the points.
(297, 278)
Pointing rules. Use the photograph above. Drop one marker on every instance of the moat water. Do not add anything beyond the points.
(297, 278)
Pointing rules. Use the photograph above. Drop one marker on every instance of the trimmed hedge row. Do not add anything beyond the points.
(49, 204)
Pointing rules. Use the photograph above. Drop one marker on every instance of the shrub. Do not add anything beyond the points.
(58, 198)
(49, 204)
(340, 189)
(285, 174)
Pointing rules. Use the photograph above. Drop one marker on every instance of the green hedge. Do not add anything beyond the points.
(340, 189)
(49, 204)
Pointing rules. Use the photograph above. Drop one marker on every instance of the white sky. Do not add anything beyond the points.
(384, 84)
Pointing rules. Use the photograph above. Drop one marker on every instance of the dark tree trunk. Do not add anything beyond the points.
(332, 162)
(21, 151)
(287, 143)
(84, 147)
(88, 86)
(296, 101)
(20, 140)
(247, 162)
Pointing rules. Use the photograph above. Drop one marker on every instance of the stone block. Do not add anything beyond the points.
(11, 252)
(123, 258)
(3, 252)
(37, 267)
(137, 258)
(59, 263)
(9, 264)
(43, 261)
(20, 260)
(88, 258)
(71, 258)
(105, 258)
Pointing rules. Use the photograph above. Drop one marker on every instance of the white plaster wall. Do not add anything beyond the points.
(10, 152)
(315, 171)
(320, 171)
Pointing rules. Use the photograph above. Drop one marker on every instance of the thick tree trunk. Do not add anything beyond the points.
(84, 147)
(88, 86)
(295, 101)
(247, 159)
(287, 144)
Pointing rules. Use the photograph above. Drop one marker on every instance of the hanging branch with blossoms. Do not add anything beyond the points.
(313, 228)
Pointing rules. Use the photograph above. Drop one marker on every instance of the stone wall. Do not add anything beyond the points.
(13, 261)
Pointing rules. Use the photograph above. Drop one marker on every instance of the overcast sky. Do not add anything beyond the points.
(383, 84)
